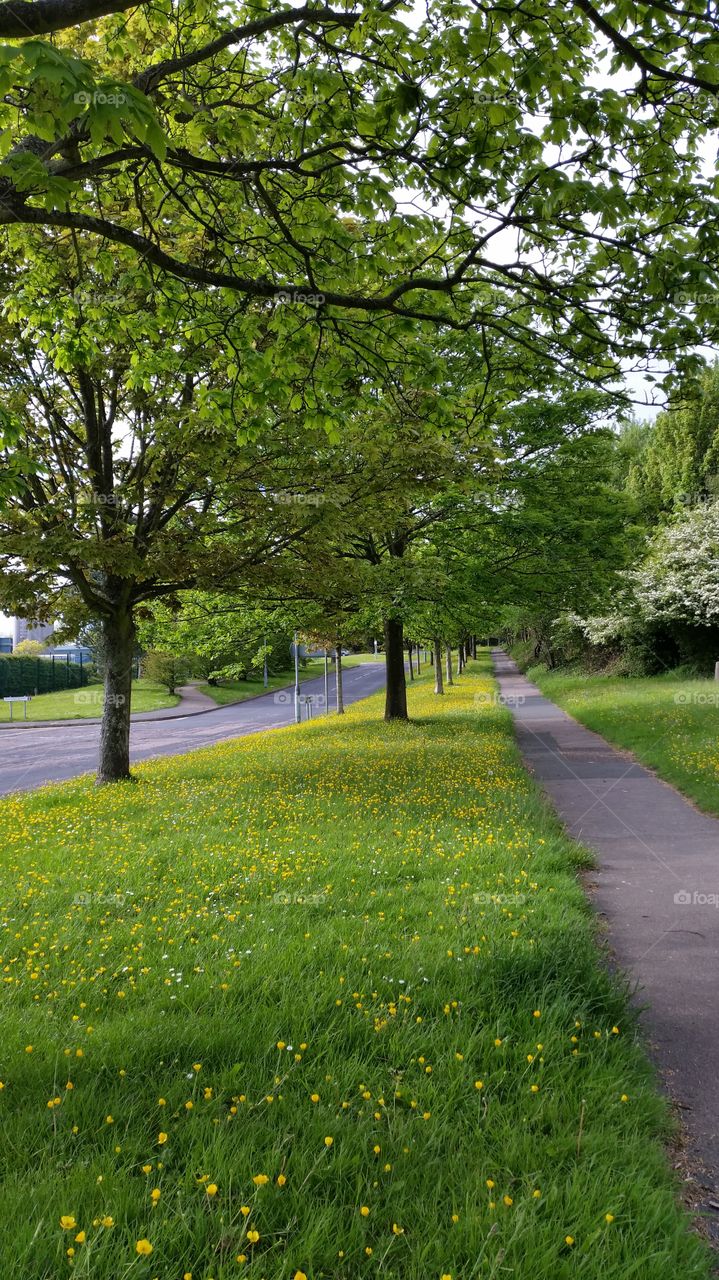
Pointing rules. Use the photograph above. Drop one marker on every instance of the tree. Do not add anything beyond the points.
(676, 465)
(132, 479)
(281, 140)
(164, 667)
(219, 633)
(29, 649)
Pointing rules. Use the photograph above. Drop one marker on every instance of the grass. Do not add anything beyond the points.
(79, 704)
(324, 1002)
(358, 659)
(670, 724)
(240, 690)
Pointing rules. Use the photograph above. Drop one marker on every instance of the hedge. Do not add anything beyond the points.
(22, 675)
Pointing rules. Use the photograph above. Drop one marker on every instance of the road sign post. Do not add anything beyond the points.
(298, 711)
(24, 699)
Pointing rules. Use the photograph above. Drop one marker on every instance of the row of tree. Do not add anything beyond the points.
(316, 308)
(662, 606)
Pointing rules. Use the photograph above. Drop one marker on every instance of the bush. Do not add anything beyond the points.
(166, 668)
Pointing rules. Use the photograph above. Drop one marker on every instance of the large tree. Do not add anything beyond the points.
(469, 170)
(130, 476)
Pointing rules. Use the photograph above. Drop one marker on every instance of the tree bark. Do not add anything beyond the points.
(118, 643)
(417, 659)
(395, 707)
(438, 685)
(411, 664)
(449, 666)
(338, 680)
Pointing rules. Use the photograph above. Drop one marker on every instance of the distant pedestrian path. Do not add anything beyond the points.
(657, 885)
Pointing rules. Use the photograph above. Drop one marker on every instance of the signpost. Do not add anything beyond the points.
(24, 699)
(298, 712)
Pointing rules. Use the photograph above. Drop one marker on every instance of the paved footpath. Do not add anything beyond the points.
(658, 887)
(35, 754)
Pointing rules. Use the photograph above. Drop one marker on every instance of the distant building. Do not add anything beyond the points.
(23, 630)
(5, 644)
(79, 653)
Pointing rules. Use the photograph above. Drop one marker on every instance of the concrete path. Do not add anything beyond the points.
(53, 753)
(657, 886)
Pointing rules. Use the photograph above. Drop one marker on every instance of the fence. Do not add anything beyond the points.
(20, 676)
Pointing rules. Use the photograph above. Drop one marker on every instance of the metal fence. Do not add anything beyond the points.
(19, 676)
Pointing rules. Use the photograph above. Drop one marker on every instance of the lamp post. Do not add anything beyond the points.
(298, 709)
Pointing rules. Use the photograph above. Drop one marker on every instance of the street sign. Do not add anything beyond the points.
(24, 699)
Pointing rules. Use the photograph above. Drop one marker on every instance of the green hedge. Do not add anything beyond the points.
(21, 675)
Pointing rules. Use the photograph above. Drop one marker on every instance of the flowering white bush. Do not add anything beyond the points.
(679, 580)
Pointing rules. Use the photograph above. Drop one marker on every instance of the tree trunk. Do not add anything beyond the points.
(474, 646)
(417, 659)
(338, 680)
(395, 707)
(411, 664)
(449, 666)
(438, 685)
(118, 643)
(459, 660)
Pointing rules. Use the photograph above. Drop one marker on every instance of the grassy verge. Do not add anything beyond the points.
(324, 1002)
(240, 690)
(79, 704)
(668, 723)
(358, 659)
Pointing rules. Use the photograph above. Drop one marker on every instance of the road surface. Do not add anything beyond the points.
(31, 756)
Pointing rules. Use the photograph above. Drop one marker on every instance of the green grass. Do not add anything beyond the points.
(339, 931)
(79, 704)
(240, 690)
(670, 724)
(358, 659)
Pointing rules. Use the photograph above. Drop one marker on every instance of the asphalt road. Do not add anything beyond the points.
(31, 756)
